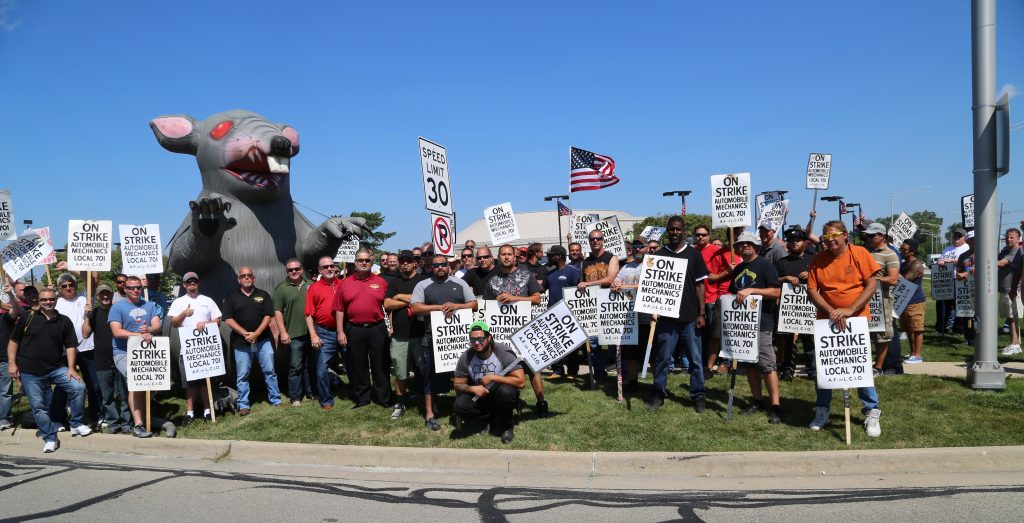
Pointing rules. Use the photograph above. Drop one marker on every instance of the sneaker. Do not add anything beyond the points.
(207, 417)
(187, 420)
(775, 415)
(127, 429)
(140, 432)
(655, 402)
(62, 428)
(398, 412)
(4, 424)
(1008, 351)
(508, 436)
(876, 372)
(51, 446)
(432, 424)
(542, 409)
(699, 406)
(820, 418)
(871, 425)
(244, 412)
(112, 430)
(327, 408)
(296, 403)
(751, 409)
(913, 359)
(81, 430)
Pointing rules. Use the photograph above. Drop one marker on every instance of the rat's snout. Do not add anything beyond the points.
(280, 146)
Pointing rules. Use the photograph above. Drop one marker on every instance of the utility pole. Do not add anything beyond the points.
(985, 372)
(682, 195)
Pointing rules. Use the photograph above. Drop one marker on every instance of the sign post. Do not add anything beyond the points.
(741, 325)
(7, 224)
(203, 356)
(449, 336)
(549, 337)
(149, 367)
(436, 177)
(730, 200)
(141, 250)
(19, 256)
(583, 304)
(903, 228)
(843, 358)
(614, 240)
(501, 223)
(967, 211)
(819, 169)
(442, 233)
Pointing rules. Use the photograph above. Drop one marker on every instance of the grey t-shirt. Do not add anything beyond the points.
(473, 368)
(433, 292)
(773, 252)
(1016, 259)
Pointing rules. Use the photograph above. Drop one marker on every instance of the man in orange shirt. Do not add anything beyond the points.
(840, 282)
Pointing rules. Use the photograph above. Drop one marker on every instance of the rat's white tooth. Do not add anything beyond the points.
(278, 164)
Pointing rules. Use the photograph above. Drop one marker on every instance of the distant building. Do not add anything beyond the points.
(542, 226)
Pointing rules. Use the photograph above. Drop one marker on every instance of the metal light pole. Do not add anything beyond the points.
(682, 195)
(558, 217)
(31, 271)
(853, 215)
(985, 372)
(892, 200)
(833, 199)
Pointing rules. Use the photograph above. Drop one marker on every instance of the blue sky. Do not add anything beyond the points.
(674, 91)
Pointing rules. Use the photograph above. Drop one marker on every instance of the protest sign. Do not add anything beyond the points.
(819, 168)
(549, 337)
(963, 293)
(537, 310)
(436, 177)
(617, 321)
(149, 363)
(89, 244)
(614, 241)
(774, 215)
(583, 305)
(730, 200)
(141, 251)
(741, 325)
(796, 312)
(449, 336)
(23, 253)
(967, 211)
(442, 233)
(44, 233)
(652, 233)
(501, 223)
(943, 278)
(876, 322)
(581, 228)
(504, 319)
(903, 228)
(660, 289)
(843, 356)
(901, 294)
(347, 251)
(7, 223)
(202, 352)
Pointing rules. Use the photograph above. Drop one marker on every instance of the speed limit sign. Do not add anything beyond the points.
(443, 232)
(437, 187)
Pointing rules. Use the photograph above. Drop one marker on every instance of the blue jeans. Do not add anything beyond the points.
(328, 349)
(868, 396)
(597, 357)
(115, 398)
(243, 364)
(301, 368)
(37, 388)
(6, 392)
(87, 366)
(667, 336)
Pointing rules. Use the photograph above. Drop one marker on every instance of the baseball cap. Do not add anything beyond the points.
(747, 237)
(406, 254)
(875, 228)
(556, 250)
(189, 276)
(959, 231)
(795, 234)
(480, 325)
(104, 287)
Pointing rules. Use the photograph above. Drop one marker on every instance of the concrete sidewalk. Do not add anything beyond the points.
(949, 369)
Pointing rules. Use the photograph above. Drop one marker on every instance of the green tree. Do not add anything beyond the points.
(691, 221)
(929, 225)
(374, 221)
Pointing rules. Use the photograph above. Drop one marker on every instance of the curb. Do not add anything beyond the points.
(579, 464)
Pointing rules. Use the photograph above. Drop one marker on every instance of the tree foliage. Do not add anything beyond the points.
(374, 221)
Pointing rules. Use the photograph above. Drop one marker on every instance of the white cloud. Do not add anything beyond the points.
(1009, 89)
(7, 22)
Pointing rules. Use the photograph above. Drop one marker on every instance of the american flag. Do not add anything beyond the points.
(564, 210)
(590, 171)
(684, 205)
(842, 208)
(859, 218)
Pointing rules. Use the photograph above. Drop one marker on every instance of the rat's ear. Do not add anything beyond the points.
(177, 133)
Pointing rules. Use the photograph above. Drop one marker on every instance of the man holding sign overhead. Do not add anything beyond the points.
(840, 281)
(193, 311)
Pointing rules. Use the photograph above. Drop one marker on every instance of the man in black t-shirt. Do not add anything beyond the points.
(16, 304)
(407, 329)
(40, 342)
(477, 276)
(117, 417)
(669, 332)
(756, 275)
(599, 268)
(792, 269)
(248, 312)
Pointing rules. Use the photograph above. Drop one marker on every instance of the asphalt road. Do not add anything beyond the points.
(81, 486)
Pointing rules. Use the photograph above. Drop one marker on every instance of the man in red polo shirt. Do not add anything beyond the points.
(322, 327)
(359, 314)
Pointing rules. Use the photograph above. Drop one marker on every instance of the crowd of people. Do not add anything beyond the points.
(372, 323)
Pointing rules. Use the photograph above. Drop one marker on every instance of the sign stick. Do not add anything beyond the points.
(650, 341)
(88, 283)
(49, 280)
(148, 408)
(814, 202)
(618, 369)
(145, 292)
(209, 395)
(590, 366)
(732, 391)
(846, 413)
(3, 278)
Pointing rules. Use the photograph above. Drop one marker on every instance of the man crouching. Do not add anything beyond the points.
(488, 377)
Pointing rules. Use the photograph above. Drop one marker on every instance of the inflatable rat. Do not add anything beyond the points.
(244, 215)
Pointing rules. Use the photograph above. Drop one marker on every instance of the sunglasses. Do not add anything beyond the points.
(436, 265)
(191, 281)
(831, 236)
(68, 286)
(597, 239)
(245, 276)
(44, 300)
(325, 267)
(477, 340)
(363, 260)
(121, 282)
(133, 287)
(700, 234)
(294, 269)
(484, 257)
(467, 255)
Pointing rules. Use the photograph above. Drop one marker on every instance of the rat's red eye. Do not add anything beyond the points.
(222, 128)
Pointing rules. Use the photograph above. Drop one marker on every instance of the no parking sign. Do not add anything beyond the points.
(442, 231)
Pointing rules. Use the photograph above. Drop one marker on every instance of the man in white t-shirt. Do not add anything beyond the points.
(71, 303)
(194, 311)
